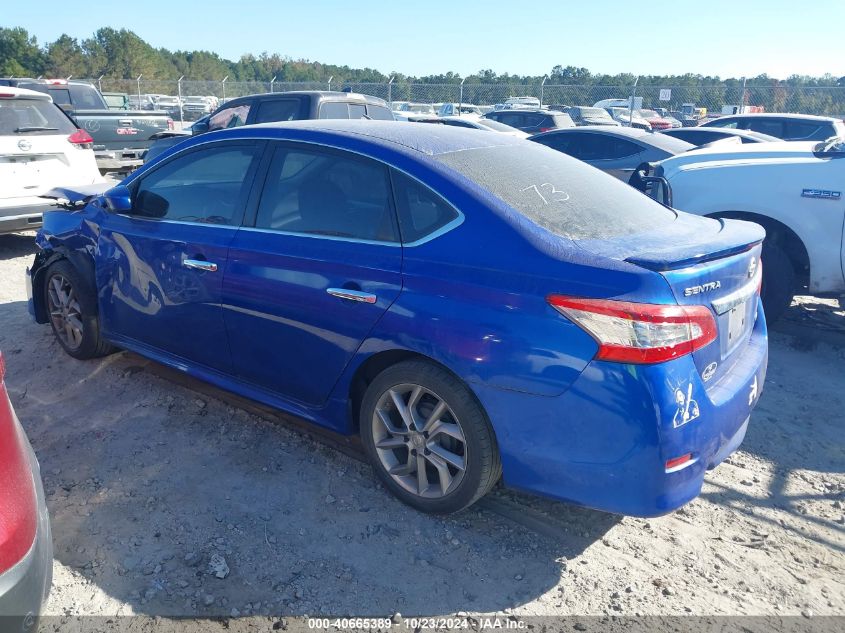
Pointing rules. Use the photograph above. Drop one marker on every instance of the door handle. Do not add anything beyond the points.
(352, 295)
(200, 264)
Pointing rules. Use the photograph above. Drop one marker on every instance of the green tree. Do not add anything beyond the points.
(19, 54)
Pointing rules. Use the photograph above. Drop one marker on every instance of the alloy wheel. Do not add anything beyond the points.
(65, 311)
(419, 441)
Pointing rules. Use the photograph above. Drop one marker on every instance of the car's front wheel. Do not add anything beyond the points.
(72, 310)
(428, 438)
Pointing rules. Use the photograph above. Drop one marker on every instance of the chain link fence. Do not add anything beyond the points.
(775, 98)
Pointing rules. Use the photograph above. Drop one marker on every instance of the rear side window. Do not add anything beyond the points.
(32, 116)
(334, 110)
(229, 117)
(207, 186)
(799, 130)
(421, 211)
(321, 193)
(357, 111)
(557, 192)
(277, 110)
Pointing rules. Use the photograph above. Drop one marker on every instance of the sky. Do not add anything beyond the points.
(421, 37)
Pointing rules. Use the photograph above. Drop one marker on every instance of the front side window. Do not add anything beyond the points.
(566, 143)
(229, 117)
(773, 127)
(334, 110)
(206, 186)
(329, 194)
(380, 113)
(421, 212)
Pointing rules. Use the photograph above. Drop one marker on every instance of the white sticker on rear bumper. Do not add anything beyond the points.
(687, 407)
(753, 395)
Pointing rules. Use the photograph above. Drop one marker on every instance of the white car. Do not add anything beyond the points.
(40, 148)
(486, 125)
(793, 189)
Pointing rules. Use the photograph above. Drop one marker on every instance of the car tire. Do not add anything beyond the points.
(72, 312)
(778, 281)
(448, 429)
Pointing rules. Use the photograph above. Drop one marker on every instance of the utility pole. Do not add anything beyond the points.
(139, 91)
(631, 104)
(542, 84)
(390, 91)
(100, 83)
(461, 96)
(179, 91)
(272, 81)
(330, 82)
(224, 87)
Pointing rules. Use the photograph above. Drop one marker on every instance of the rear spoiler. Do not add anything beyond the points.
(73, 197)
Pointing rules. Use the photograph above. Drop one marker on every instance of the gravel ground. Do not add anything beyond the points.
(165, 501)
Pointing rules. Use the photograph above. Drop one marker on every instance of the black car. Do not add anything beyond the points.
(787, 127)
(280, 106)
(533, 121)
(702, 135)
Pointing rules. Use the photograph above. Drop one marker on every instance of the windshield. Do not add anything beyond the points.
(32, 116)
(557, 192)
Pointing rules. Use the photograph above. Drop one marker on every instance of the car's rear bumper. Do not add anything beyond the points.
(119, 160)
(21, 216)
(605, 442)
(24, 588)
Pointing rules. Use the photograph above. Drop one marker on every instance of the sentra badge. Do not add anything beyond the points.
(697, 290)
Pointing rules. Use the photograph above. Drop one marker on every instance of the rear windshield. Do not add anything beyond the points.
(32, 116)
(559, 193)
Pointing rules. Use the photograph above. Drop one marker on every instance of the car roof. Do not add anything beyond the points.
(660, 141)
(728, 131)
(422, 138)
(328, 95)
(24, 92)
(775, 115)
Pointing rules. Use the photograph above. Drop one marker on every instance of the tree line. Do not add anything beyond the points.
(120, 53)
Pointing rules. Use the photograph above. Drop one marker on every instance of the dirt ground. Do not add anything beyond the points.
(165, 501)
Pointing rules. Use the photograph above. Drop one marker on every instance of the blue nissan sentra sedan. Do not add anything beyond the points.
(476, 306)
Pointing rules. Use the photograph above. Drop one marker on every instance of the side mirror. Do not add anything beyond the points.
(200, 126)
(118, 199)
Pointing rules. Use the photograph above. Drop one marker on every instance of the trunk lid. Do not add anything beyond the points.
(710, 262)
(28, 163)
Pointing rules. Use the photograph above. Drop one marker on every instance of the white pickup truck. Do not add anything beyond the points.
(794, 190)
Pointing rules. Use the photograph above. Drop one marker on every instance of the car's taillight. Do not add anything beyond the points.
(546, 129)
(629, 332)
(6, 95)
(18, 509)
(170, 124)
(81, 139)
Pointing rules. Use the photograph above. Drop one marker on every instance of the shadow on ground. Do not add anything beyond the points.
(150, 483)
(16, 245)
